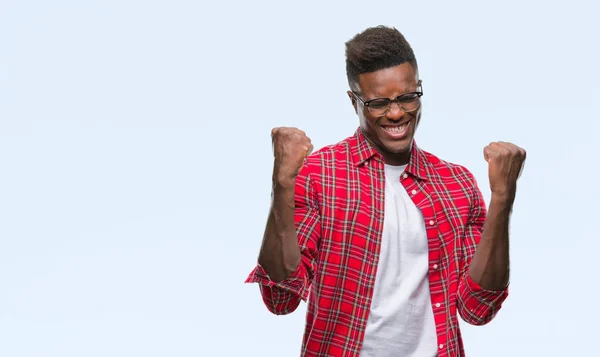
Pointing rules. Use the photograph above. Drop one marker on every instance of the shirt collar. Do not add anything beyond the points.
(363, 151)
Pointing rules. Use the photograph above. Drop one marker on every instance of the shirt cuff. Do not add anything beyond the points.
(477, 295)
(297, 283)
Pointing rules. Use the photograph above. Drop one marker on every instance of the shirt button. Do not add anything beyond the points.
(441, 346)
(438, 305)
(404, 175)
(431, 223)
(414, 192)
(435, 266)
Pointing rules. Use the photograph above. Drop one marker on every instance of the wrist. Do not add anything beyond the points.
(284, 177)
(506, 193)
(284, 182)
(502, 199)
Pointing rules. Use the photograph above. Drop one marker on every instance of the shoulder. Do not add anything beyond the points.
(449, 172)
(454, 182)
(323, 164)
(330, 156)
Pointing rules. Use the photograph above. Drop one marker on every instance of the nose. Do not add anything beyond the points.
(395, 112)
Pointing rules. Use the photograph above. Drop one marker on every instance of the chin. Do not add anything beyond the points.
(398, 151)
(400, 147)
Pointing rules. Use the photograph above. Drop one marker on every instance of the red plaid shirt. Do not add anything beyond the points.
(339, 212)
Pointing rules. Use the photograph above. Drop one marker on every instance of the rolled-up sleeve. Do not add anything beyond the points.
(283, 297)
(476, 305)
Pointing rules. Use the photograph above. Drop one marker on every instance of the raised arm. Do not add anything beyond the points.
(483, 285)
(490, 266)
(287, 257)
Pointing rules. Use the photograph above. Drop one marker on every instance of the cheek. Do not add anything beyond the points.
(417, 118)
(367, 122)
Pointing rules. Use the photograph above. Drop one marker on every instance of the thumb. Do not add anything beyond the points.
(309, 150)
(521, 169)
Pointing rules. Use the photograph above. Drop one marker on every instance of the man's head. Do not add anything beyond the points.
(381, 64)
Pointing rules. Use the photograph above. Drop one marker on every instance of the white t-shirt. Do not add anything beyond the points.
(401, 319)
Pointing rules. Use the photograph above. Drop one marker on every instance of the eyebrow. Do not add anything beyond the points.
(410, 91)
(398, 96)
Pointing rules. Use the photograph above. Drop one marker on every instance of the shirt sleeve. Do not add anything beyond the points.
(283, 297)
(476, 305)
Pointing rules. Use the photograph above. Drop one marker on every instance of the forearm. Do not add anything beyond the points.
(280, 254)
(490, 264)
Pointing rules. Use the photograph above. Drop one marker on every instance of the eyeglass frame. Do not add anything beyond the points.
(390, 101)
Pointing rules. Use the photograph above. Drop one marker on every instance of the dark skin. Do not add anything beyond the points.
(280, 253)
(387, 83)
(490, 265)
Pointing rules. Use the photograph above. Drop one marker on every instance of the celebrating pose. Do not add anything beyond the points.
(386, 241)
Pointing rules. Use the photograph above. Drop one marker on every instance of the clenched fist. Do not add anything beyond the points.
(290, 147)
(505, 163)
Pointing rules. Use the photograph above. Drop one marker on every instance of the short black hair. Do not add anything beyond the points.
(377, 48)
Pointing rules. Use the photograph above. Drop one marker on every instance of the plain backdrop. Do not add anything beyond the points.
(135, 162)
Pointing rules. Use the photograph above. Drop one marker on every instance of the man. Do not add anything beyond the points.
(386, 241)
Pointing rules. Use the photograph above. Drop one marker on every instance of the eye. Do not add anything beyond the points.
(408, 97)
(379, 103)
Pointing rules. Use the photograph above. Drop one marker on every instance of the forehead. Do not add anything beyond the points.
(388, 82)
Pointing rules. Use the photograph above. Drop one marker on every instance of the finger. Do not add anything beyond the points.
(500, 147)
(514, 149)
(521, 171)
(507, 145)
(492, 152)
(523, 153)
(273, 132)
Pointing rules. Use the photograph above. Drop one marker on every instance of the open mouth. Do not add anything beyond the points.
(396, 131)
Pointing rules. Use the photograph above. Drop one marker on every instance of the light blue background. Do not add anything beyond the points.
(135, 162)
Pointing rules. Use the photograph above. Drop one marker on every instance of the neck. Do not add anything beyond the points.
(395, 159)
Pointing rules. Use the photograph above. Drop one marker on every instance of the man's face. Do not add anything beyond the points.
(392, 134)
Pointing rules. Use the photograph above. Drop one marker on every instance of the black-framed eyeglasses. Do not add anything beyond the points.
(407, 102)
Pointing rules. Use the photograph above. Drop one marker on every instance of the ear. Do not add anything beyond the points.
(353, 100)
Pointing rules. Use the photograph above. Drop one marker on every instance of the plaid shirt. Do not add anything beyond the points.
(339, 198)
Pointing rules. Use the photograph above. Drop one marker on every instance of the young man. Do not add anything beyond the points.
(386, 241)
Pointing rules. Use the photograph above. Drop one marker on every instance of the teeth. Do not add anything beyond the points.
(395, 129)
